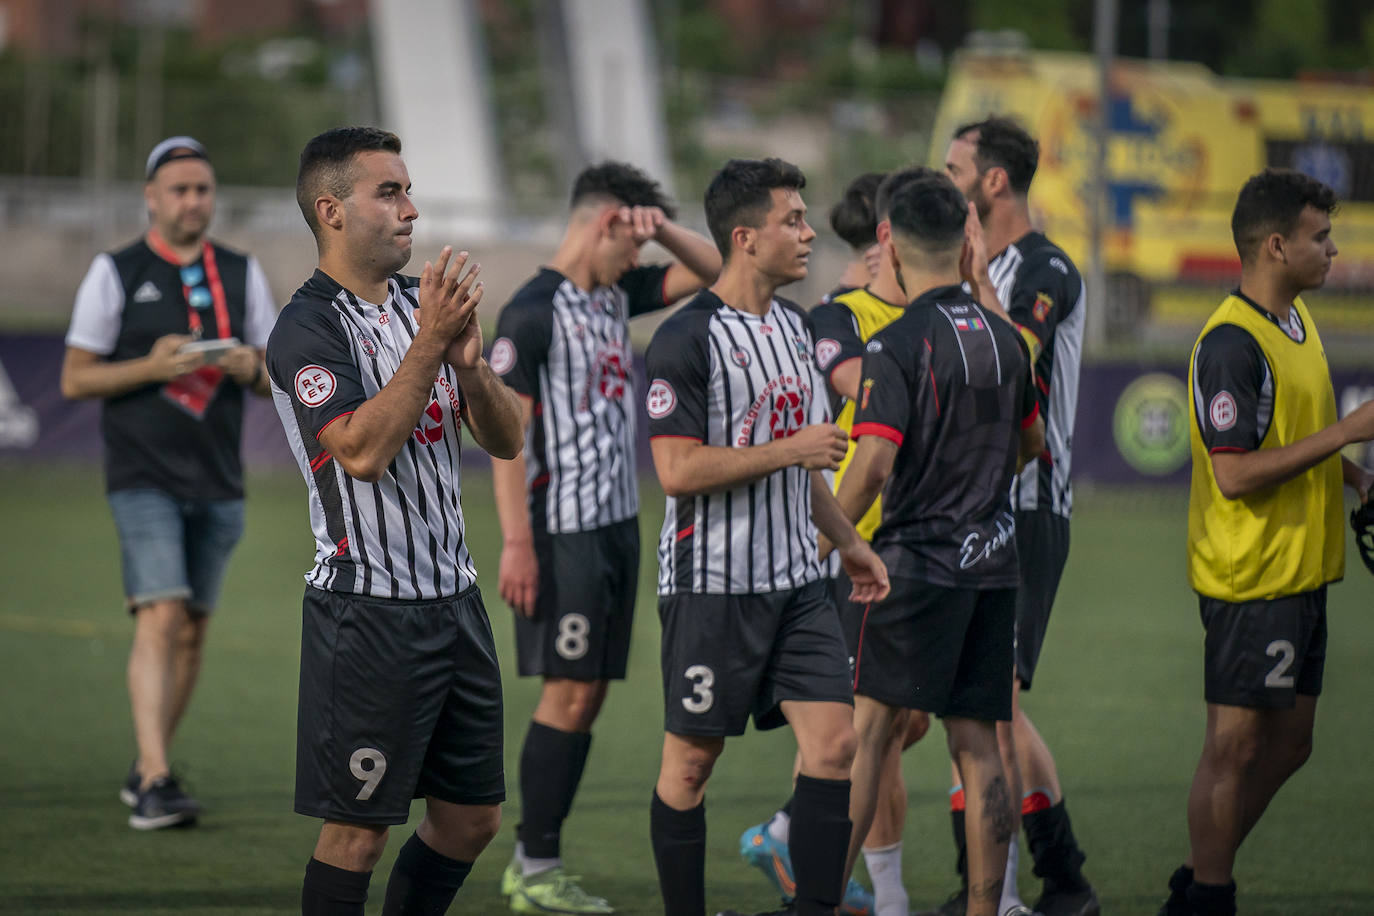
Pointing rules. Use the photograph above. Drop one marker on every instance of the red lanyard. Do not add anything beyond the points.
(212, 281)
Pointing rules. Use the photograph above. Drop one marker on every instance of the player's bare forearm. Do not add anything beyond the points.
(986, 294)
(1240, 474)
(698, 260)
(508, 481)
(687, 468)
(492, 411)
(834, 526)
(89, 375)
(365, 442)
(864, 478)
(844, 378)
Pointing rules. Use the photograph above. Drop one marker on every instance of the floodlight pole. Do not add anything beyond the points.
(1104, 49)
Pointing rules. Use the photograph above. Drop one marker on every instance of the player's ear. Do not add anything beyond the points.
(1274, 247)
(742, 237)
(995, 180)
(329, 211)
(610, 215)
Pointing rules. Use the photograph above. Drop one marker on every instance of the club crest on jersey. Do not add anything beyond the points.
(366, 343)
(803, 351)
(766, 328)
(1222, 411)
(740, 357)
(868, 389)
(660, 400)
(314, 385)
(502, 357)
(1043, 304)
(826, 351)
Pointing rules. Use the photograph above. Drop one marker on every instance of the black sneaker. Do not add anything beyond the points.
(128, 793)
(956, 905)
(1058, 902)
(163, 804)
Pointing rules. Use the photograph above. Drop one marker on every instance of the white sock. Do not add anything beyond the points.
(1010, 895)
(884, 865)
(530, 866)
(780, 827)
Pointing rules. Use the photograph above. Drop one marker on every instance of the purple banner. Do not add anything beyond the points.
(1132, 420)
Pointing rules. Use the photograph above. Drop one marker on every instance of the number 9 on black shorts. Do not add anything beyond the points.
(398, 700)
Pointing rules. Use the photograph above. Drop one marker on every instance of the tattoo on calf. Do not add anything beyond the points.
(997, 809)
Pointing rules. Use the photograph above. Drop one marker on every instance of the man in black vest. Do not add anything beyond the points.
(168, 333)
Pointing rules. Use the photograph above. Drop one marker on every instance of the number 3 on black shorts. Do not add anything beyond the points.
(702, 699)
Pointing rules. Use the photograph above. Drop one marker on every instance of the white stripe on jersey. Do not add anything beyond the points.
(1067, 356)
(587, 395)
(756, 538)
(405, 532)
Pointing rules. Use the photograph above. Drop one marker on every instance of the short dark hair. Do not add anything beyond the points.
(1273, 201)
(622, 182)
(741, 194)
(1004, 143)
(929, 212)
(893, 181)
(326, 164)
(855, 218)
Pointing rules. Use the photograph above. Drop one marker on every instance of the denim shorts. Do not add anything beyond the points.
(172, 548)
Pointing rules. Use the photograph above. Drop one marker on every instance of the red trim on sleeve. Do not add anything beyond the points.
(347, 413)
(1027, 420)
(320, 461)
(686, 532)
(881, 430)
(670, 436)
(541, 481)
(1227, 448)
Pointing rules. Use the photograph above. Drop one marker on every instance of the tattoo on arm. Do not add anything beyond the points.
(985, 890)
(997, 813)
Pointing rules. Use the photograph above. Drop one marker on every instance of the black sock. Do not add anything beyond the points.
(1057, 857)
(1179, 882)
(551, 765)
(332, 891)
(819, 841)
(422, 881)
(956, 824)
(679, 841)
(1212, 899)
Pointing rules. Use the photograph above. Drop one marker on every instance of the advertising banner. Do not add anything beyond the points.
(1132, 423)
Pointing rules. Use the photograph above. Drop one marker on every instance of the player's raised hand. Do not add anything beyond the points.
(819, 447)
(644, 222)
(165, 363)
(866, 571)
(973, 260)
(448, 296)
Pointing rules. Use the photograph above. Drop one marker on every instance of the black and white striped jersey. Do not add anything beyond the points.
(733, 379)
(1043, 292)
(568, 350)
(401, 537)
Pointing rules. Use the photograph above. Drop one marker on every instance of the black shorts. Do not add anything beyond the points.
(1042, 547)
(398, 700)
(947, 651)
(1261, 654)
(586, 605)
(726, 657)
(851, 614)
